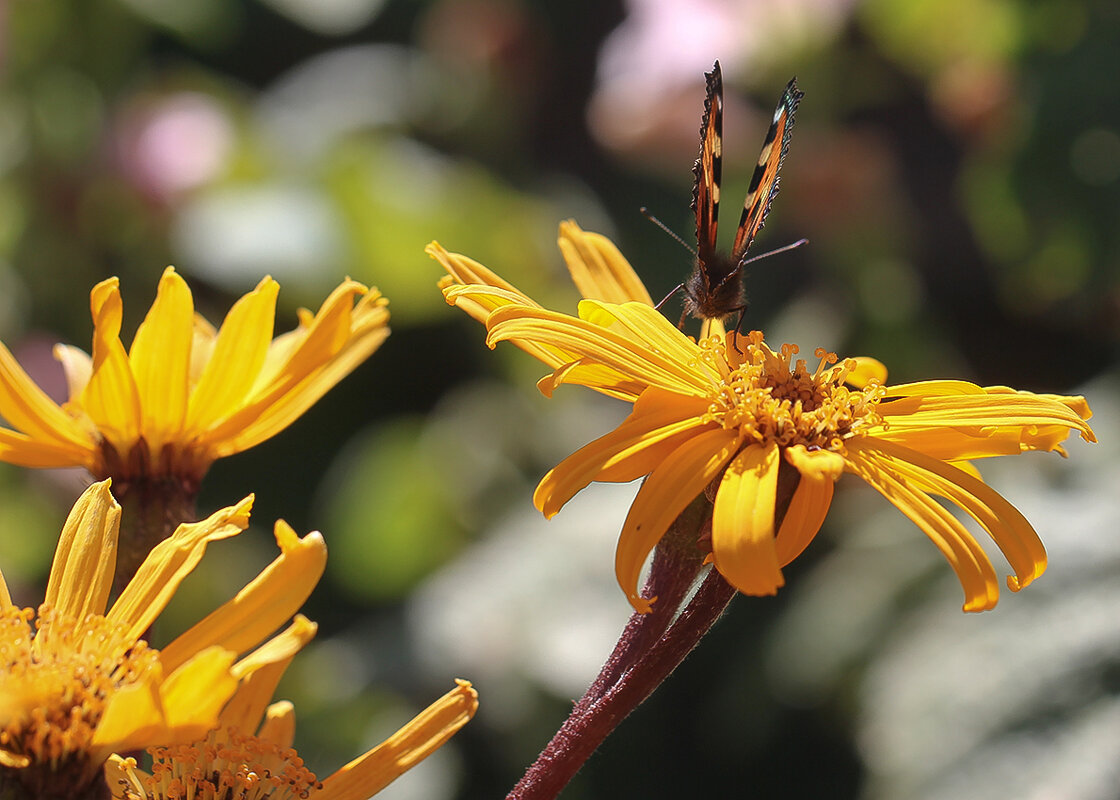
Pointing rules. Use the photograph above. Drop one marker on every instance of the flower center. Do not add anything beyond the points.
(55, 683)
(769, 397)
(225, 764)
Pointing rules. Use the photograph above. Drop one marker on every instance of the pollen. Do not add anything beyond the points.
(227, 764)
(56, 674)
(770, 397)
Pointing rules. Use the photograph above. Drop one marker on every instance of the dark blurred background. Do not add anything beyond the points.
(956, 168)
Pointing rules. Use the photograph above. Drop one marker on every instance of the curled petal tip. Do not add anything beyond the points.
(641, 604)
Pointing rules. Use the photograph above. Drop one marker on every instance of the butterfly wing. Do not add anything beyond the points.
(705, 190)
(764, 182)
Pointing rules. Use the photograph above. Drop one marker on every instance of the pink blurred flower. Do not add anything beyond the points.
(171, 144)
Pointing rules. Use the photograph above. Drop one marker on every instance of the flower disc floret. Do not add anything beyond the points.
(227, 763)
(63, 672)
(768, 400)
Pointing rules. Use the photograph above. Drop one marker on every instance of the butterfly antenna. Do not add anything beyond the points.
(735, 273)
(769, 253)
(668, 230)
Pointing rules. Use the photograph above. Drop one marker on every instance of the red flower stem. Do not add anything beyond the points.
(151, 509)
(651, 647)
(677, 561)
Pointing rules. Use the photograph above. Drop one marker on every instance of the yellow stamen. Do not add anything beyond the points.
(767, 400)
(226, 764)
(57, 684)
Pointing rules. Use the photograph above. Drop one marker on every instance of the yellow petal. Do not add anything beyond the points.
(202, 347)
(24, 451)
(950, 444)
(947, 388)
(648, 326)
(280, 649)
(867, 369)
(372, 772)
(479, 301)
(180, 709)
(659, 423)
(664, 435)
(467, 271)
(964, 554)
(76, 366)
(111, 398)
(743, 522)
(969, 468)
(86, 557)
(594, 376)
(238, 355)
(1076, 403)
(328, 332)
(479, 292)
(805, 515)
(195, 692)
(1047, 438)
(610, 348)
(263, 605)
(5, 595)
(598, 269)
(981, 411)
(817, 464)
(1008, 528)
(340, 337)
(292, 405)
(675, 483)
(133, 717)
(996, 414)
(28, 409)
(279, 724)
(161, 359)
(260, 672)
(716, 328)
(169, 563)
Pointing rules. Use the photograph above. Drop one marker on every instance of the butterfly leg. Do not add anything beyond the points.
(739, 328)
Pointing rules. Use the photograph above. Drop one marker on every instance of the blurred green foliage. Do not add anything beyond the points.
(389, 517)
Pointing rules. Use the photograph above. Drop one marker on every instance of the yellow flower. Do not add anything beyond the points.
(184, 394)
(767, 436)
(79, 682)
(246, 757)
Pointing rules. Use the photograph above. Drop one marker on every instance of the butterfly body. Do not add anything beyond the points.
(715, 289)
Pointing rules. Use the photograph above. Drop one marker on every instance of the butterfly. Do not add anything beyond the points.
(715, 289)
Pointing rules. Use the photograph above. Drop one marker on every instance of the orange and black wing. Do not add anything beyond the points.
(764, 182)
(705, 190)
